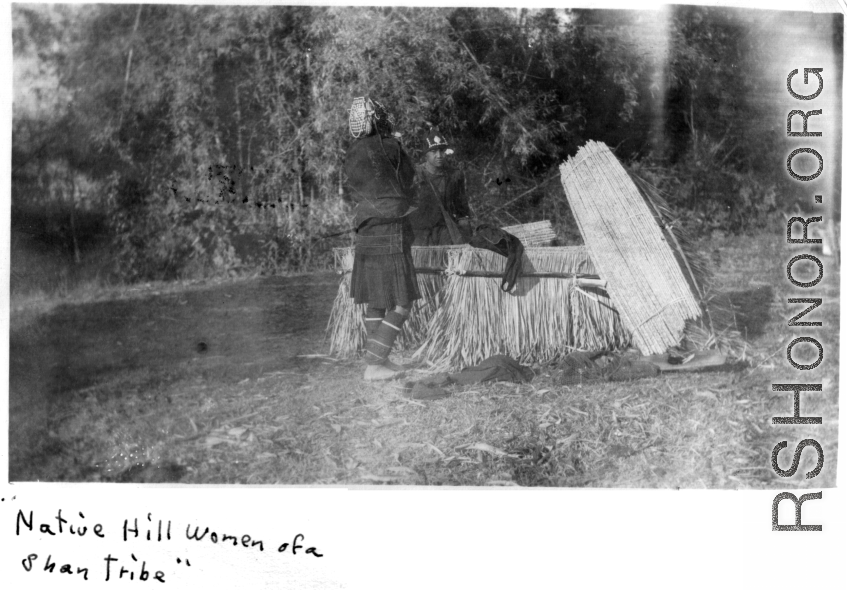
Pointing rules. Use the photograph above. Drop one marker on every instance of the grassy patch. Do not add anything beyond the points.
(213, 384)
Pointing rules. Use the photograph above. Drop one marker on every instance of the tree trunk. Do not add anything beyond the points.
(691, 121)
(238, 136)
(129, 62)
(72, 183)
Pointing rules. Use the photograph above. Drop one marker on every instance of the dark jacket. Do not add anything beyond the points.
(380, 178)
(449, 188)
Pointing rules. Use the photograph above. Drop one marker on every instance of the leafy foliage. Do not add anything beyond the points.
(212, 138)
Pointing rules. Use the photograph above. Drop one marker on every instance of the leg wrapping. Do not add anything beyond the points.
(379, 346)
(373, 318)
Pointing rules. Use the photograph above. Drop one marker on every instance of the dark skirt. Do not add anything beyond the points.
(384, 275)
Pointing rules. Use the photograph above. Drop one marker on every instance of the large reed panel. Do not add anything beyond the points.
(644, 279)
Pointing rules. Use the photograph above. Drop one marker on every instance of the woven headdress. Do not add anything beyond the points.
(367, 116)
(436, 141)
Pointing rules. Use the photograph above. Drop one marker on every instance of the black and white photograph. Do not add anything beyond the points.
(373, 247)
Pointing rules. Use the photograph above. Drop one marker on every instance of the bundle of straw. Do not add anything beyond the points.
(346, 327)
(716, 328)
(644, 278)
(554, 309)
(538, 233)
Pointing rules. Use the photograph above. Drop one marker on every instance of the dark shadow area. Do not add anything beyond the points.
(50, 254)
(747, 311)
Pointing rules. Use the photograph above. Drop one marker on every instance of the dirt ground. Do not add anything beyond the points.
(139, 345)
(226, 383)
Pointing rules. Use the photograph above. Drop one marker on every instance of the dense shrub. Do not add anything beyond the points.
(708, 196)
(166, 235)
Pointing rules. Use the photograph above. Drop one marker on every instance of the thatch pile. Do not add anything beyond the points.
(644, 277)
(557, 306)
(555, 309)
(538, 233)
(717, 327)
(346, 327)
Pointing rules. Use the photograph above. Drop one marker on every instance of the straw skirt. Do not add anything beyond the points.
(384, 274)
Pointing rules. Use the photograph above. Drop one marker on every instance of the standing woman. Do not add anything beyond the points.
(380, 181)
